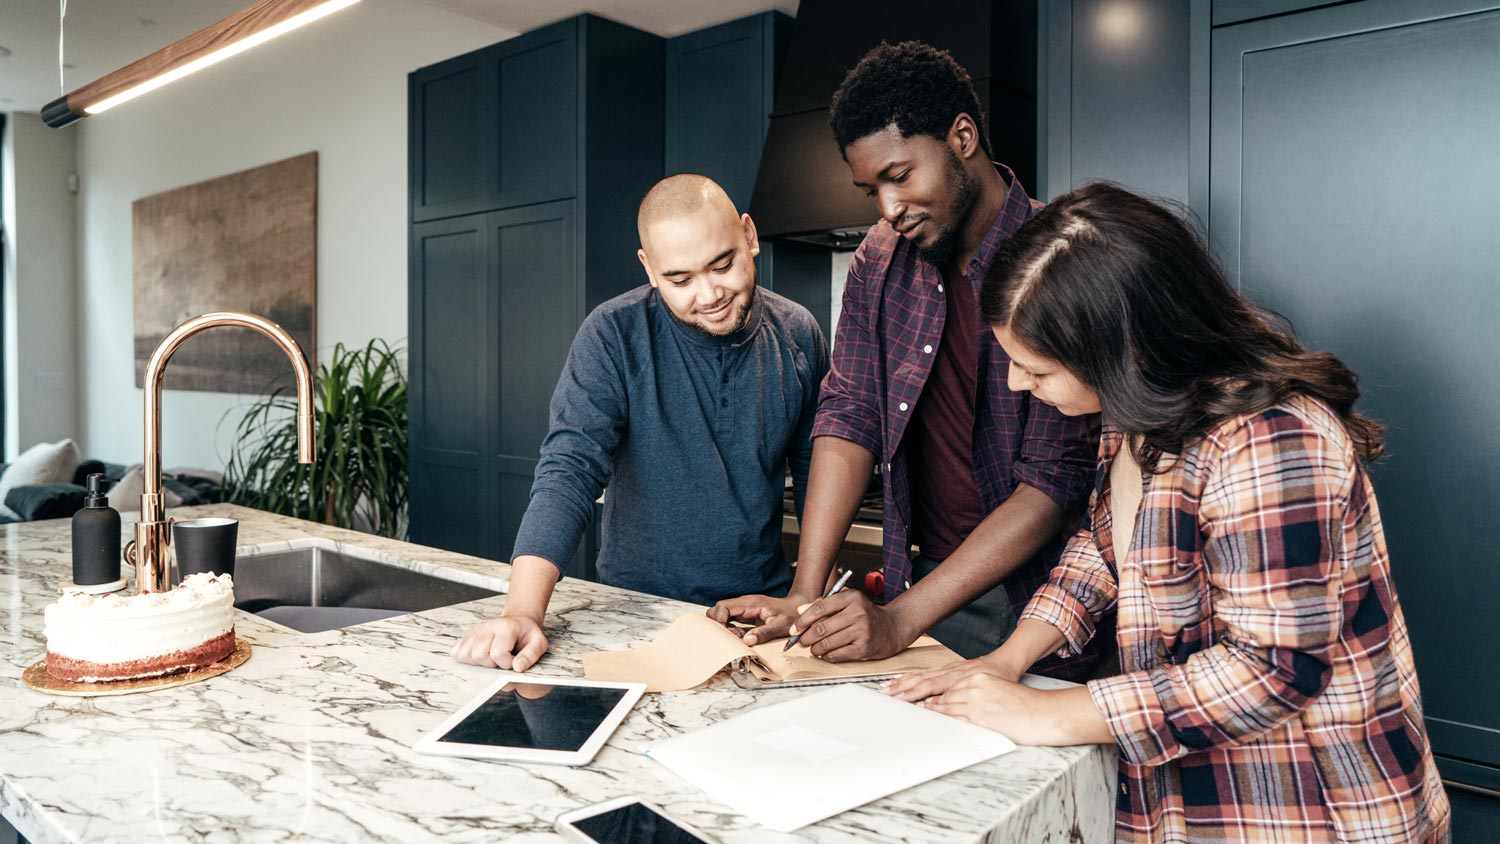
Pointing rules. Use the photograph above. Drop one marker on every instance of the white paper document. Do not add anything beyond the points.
(798, 762)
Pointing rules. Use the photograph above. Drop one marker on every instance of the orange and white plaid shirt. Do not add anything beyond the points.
(1268, 692)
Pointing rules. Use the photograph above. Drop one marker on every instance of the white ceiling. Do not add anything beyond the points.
(104, 35)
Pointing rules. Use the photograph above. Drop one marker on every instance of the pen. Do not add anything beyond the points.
(836, 587)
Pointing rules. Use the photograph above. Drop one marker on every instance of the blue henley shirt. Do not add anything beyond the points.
(692, 435)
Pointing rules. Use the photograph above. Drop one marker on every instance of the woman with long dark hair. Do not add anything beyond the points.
(1267, 690)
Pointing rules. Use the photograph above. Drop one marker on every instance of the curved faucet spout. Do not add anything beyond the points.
(148, 551)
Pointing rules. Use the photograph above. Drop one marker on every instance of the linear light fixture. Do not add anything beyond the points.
(235, 34)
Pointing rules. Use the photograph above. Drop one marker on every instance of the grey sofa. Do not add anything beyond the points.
(60, 501)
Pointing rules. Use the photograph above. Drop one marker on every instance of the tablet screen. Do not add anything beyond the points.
(537, 717)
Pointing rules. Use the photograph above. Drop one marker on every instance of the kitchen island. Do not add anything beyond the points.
(311, 739)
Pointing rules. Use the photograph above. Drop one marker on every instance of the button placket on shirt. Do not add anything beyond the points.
(926, 350)
(907, 368)
(723, 388)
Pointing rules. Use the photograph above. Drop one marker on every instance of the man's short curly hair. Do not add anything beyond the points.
(919, 88)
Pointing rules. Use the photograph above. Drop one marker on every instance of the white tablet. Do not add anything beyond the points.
(558, 720)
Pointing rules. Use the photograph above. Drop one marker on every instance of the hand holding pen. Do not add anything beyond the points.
(839, 584)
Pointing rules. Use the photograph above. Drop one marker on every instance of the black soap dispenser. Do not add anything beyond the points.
(96, 538)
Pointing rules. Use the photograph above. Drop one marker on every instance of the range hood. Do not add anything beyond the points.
(803, 189)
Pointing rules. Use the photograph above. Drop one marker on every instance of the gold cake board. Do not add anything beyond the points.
(36, 677)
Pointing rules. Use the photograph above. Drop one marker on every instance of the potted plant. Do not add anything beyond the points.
(359, 479)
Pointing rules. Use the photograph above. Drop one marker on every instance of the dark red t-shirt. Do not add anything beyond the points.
(945, 503)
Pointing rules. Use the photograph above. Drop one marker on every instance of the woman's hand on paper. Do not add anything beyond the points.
(1007, 707)
(514, 643)
(1022, 714)
(920, 685)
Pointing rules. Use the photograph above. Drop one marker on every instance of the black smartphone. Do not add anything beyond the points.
(626, 820)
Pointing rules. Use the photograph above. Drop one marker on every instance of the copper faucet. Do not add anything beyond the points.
(153, 533)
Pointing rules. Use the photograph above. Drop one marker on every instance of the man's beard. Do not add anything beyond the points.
(741, 316)
(964, 191)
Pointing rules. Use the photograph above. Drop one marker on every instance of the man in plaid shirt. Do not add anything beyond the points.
(983, 479)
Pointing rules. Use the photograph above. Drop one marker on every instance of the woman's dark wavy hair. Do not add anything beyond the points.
(919, 88)
(1124, 295)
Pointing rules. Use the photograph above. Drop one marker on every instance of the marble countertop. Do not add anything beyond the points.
(310, 740)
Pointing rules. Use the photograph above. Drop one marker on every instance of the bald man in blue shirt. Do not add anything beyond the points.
(689, 398)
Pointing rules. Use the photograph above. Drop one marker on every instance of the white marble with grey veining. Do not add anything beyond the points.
(310, 740)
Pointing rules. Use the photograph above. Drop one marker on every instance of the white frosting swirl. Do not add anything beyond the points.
(76, 598)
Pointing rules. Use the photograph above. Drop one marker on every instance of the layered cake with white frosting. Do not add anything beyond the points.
(109, 638)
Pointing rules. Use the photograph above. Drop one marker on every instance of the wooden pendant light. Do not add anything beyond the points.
(240, 31)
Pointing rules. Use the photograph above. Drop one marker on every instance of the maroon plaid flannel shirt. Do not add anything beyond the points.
(890, 327)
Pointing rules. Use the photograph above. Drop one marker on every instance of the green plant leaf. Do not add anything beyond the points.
(360, 476)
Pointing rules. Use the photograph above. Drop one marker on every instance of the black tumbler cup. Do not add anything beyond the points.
(205, 545)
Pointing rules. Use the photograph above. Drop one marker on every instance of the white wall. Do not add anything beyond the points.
(337, 87)
(41, 305)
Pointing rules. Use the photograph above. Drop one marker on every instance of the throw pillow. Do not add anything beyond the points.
(34, 502)
(126, 495)
(43, 463)
(184, 492)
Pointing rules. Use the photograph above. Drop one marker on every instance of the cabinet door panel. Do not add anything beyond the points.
(1118, 96)
(536, 150)
(536, 310)
(446, 510)
(453, 302)
(539, 312)
(449, 301)
(1352, 190)
(452, 127)
(716, 112)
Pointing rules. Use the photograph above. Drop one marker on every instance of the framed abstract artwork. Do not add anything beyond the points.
(244, 242)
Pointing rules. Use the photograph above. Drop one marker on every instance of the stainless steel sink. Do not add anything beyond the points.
(314, 589)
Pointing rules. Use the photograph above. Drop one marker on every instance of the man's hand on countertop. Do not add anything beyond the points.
(515, 640)
(514, 643)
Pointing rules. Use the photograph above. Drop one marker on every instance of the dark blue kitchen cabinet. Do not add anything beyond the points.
(1351, 188)
(485, 126)
(536, 103)
(451, 123)
(1115, 93)
(536, 310)
(526, 161)
(721, 83)
(720, 86)
(450, 326)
